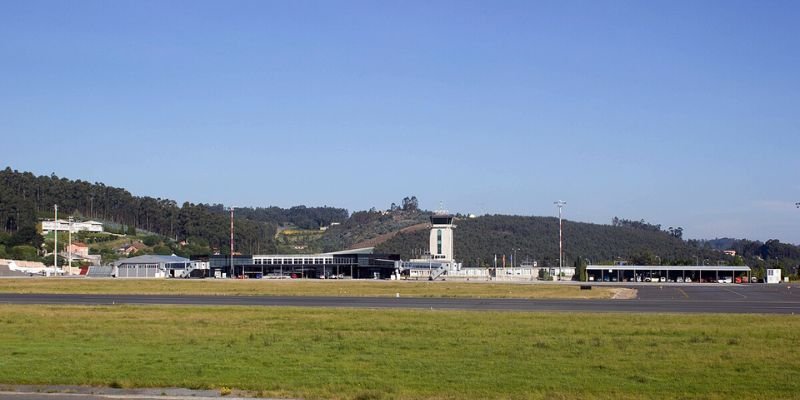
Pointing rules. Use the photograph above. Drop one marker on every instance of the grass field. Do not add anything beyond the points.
(400, 354)
(263, 287)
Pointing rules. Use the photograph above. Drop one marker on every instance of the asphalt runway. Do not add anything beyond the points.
(654, 298)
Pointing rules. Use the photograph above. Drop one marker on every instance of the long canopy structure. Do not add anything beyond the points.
(671, 273)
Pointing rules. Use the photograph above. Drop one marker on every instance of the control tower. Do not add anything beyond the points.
(440, 258)
(442, 236)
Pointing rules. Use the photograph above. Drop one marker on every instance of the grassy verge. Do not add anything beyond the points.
(399, 354)
(256, 287)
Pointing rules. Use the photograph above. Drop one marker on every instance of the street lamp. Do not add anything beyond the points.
(69, 245)
(560, 204)
(55, 243)
(233, 271)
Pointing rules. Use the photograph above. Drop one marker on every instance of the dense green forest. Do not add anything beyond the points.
(26, 198)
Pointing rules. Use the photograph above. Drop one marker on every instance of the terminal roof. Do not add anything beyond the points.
(743, 268)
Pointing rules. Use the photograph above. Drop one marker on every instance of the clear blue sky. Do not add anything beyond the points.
(684, 113)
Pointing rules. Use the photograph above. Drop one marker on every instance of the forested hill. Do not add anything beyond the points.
(26, 198)
(478, 239)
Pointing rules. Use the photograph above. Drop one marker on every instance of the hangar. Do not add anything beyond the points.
(149, 266)
(667, 273)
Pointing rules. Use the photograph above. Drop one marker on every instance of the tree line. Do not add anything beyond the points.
(26, 198)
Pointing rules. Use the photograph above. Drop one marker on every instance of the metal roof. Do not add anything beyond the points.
(362, 250)
(152, 259)
(743, 268)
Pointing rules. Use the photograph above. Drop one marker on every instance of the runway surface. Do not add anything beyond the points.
(766, 299)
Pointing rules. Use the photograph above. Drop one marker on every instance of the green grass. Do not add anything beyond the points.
(400, 354)
(265, 287)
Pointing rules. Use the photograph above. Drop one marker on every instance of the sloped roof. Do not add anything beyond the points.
(152, 259)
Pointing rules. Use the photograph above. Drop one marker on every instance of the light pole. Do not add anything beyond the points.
(560, 204)
(514, 260)
(55, 243)
(232, 269)
(585, 275)
(69, 246)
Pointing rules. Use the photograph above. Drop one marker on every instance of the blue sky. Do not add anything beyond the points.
(683, 113)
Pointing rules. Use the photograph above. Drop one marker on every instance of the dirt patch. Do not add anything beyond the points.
(95, 392)
(386, 236)
(623, 293)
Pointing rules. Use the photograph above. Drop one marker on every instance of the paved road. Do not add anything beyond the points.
(69, 392)
(85, 396)
(770, 299)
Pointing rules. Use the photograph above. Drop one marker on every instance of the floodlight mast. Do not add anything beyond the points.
(69, 246)
(560, 204)
(233, 270)
(55, 243)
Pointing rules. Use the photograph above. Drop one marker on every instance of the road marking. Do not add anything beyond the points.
(736, 293)
(683, 292)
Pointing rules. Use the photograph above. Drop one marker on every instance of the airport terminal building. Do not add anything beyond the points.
(355, 264)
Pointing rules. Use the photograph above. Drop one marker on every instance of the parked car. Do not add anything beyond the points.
(687, 280)
(679, 279)
(662, 279)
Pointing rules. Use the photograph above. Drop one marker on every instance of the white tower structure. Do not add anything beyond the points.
(440, 259)
(441, 242)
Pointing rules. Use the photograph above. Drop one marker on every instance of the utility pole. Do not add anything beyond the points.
(55, 244)
(69, 245)
(560, 204)
(232, 269)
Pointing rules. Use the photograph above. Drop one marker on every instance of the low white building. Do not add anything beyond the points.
(773, 276)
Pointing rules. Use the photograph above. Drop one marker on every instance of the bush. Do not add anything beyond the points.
(151, 240)
(162, 250)
(24, 252)
(544, 275)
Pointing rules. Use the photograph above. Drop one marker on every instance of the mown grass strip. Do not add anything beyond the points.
(264, 287)
(400, 354)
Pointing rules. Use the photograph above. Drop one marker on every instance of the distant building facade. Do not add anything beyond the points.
(150, 266)
(350, 264)
(78, 249)
(65, 226)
